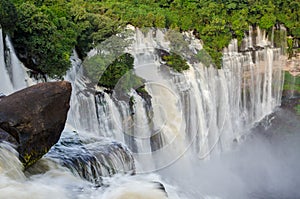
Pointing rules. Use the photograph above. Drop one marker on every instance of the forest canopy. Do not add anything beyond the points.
(45, 32)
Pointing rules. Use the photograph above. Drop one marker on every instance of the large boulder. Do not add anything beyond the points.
(33, 118)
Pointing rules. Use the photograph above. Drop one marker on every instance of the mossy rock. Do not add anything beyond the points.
(176, 62)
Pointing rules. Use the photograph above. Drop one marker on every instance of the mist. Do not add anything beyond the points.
(265, 165)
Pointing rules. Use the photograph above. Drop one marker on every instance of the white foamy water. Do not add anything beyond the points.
(51, 180)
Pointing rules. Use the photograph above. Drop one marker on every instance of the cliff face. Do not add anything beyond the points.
(291, 87)
(293, 65)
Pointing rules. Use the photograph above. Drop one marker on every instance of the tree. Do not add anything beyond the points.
(43, 43)
(8, 15)
(109, 55)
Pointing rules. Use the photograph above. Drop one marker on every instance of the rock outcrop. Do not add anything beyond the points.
(32, 119)
(92, 158)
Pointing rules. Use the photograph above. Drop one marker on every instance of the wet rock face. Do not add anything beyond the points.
(35, 117)
(92, 158)
(5, 136)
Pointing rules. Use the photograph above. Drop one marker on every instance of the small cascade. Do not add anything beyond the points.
(10, 165)
(13, 73)
(257, 38)
(6, 86)
(259, 83)
(127, 122)
(139, 128)
(19, 75)
(92, 158)
(112, 114)
(261, 38)
(82, 114)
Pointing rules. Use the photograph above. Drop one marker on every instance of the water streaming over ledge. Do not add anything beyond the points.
(198, 113)
(205, 108)
(91, 161)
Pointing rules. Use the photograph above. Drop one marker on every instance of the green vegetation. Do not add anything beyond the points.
(141, 90)
(106, 72)
(215, 22)
(204, 57)
(42, 43)
(297, 108)
(176, 62)
(7, 16)
(113, 72)
(291, 83)
(44, 32)
(109, 54)
(116, 70)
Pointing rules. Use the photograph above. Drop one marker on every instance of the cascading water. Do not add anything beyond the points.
(91, 158)
(82, 115)
(15, 76)
(178, 119)
(6, 86)
(19, 75)
(208, 108)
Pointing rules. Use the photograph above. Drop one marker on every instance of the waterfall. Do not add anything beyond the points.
(10, 165)
(103, 157)
(6, 86)
(196, 114)
(82, 114)
(91, 158)
(87, 153)
(19, 75)
(207, 108)
(13, 73)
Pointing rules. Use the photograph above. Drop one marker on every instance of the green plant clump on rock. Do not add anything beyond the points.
(116, 70)
(176, 62)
